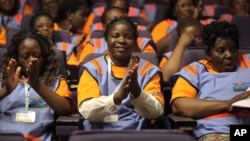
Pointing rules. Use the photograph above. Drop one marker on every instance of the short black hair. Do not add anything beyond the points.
(107, 9)
(37, 15)
(224, 30)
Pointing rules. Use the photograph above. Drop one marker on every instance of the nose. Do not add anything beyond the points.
(121, 39)
(45, 27)
(229, 54)
(32, 57)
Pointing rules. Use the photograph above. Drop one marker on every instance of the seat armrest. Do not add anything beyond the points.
(182, 123)
(65, 125)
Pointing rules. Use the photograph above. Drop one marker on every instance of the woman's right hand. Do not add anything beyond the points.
(237, 98)
(12, 77)
(122, 92)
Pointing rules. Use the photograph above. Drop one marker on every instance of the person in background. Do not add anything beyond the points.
(187, 34)
(48, 6)
(205, 90)
(44, 23)
(12, 12)
(178, 9)
(33, 93)
(125, 89)
(11, 15)
(238, 8)
(71, 17)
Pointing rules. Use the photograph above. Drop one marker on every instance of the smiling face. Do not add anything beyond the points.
(223, 55)
(28, 50)
(120, 40)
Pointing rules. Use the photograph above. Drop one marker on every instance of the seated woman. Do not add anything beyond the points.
(205, 90)
(32, 92)
(125, 89)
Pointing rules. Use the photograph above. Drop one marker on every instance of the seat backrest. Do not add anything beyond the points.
(9, 36)
(26, 21)
(138, 20)
(132, 135)
(151, 57)
(62, 62)
(88, 58)
(243, 22)
(97, 34)
(244, 50)
(219, 10)
(11, 136)
(61, 36)
(192, 54)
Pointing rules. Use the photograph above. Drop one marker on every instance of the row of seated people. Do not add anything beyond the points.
(97, 43)
(139, 94)
(34, 53)
(79, 37)
(98, 8)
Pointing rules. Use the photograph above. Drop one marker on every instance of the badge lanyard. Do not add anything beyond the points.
(109, 76)
(27, 95)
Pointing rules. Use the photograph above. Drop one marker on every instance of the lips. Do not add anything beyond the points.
(121, 48)
(230, 66)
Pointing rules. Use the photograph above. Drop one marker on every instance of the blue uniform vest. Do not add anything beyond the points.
(128, 117)
(219, 86)
(15, 102)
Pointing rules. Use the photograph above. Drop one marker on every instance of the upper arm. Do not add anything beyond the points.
(63, 89)
(87, 87)
(154, 87)
(182, 88)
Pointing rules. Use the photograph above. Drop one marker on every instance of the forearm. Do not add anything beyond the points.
(96, 109)
(147, 106)
(58, 103)
(197, 108)
(173, 64)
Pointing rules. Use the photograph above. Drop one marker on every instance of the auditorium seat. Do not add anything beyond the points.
(132, 135)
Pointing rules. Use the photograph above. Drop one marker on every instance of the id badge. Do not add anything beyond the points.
(111, 118)
(26, 117)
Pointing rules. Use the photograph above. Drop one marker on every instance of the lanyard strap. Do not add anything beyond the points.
(109, 76)
(27, 95)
